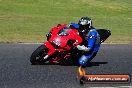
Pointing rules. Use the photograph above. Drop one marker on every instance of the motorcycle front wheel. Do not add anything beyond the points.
(38, 54)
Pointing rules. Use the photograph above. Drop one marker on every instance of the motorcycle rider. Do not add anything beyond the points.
(91, 39)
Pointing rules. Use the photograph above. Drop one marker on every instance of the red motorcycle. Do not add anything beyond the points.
(58, 47)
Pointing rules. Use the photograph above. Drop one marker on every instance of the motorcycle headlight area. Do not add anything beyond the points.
(56, 43)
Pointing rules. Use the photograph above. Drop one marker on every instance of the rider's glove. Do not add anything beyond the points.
(83, 48)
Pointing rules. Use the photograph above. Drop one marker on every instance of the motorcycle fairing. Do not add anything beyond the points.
(60, 42)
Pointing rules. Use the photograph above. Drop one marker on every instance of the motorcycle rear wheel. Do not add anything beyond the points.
(37, 56)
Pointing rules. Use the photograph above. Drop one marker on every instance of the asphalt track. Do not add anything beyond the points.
(17, 72)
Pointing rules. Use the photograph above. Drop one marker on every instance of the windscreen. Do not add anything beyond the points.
(64, 31)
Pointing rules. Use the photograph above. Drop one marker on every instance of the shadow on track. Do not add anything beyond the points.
(90, 64)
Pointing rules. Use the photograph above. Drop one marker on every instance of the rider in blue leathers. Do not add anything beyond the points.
(91, 39)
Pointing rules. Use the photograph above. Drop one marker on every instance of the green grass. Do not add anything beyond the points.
(30, 20)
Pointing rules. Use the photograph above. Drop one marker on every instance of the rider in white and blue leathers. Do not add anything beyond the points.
(91, 39)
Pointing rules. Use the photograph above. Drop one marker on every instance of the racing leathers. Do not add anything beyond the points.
(92, 46)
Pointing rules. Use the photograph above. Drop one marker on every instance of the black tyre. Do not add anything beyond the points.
(38, 54)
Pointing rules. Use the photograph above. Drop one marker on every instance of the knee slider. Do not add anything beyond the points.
(83, 60)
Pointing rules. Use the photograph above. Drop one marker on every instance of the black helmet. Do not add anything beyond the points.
(85, 23)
